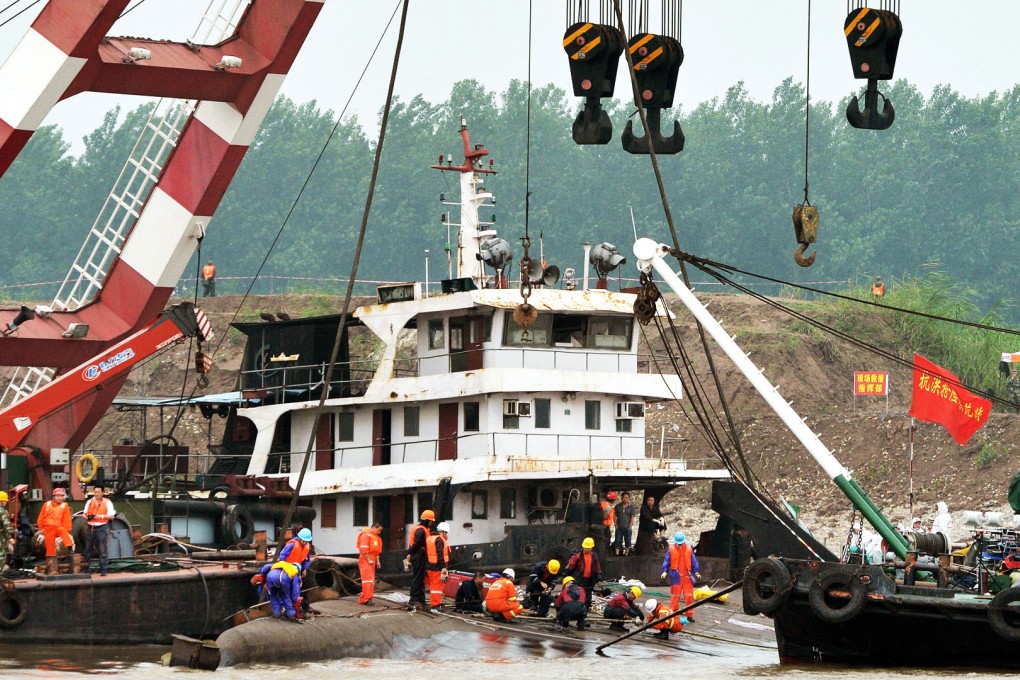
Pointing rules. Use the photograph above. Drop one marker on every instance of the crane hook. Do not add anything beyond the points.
(798, 255)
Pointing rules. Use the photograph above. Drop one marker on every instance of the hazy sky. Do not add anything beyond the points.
(971, 46)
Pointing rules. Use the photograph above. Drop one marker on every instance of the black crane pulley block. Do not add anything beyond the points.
(594, 51)
(873, 38)
(657, 60)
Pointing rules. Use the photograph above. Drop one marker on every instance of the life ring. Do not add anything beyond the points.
(237, 525)
(838, 611)
(1006, 627)
(766, 585)
(12, 609)
(86, 462)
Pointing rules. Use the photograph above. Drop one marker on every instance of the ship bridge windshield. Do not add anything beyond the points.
(580, 331)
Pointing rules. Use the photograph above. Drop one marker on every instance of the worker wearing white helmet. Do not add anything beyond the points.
(657, 611)
(437, 562)
(501, 598)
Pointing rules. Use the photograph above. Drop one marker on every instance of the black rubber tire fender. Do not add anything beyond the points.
(823, 609)
(1008, 628)
(237, 517)
(13, 609)
(766, 585)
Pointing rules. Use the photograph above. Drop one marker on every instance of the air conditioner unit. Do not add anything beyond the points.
(629, 410)
(548, 498)
(515, 407)
(35, 494)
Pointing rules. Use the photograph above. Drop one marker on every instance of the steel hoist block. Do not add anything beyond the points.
(594, 52)
(873, 38)
(657, 60)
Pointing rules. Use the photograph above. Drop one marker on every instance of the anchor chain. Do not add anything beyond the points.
(525, 314)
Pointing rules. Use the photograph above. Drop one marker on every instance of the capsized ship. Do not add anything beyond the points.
(505, 429)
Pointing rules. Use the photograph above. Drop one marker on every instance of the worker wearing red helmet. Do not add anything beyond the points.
(55, 522)
(416, 558)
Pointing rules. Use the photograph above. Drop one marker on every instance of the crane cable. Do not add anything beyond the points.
(348, 294)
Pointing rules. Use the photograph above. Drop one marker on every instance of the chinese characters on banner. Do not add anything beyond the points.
(871, 383)
(939, 398)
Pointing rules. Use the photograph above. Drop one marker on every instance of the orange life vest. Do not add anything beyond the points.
(299, 552)
(369, 543)
(586, 562)
(98, 508)
(54, 515)
(878, 289)
(672, 624)
(414, 532)
(432, 553)
(208, 271)
(608, 514)
(680, 558)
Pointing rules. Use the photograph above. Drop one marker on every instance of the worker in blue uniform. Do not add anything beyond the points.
(284, 583)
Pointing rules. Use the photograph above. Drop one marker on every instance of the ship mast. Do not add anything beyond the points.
(472, 197)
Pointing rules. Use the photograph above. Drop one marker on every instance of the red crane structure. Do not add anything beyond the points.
(229, 85)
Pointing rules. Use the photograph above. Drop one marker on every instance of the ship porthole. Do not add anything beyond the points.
(833, 609)
(1004, 619)
(12, 609)
(766, 585)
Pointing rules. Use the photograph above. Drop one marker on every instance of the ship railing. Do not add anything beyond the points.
(299, 382)
(524, 450)
(163, 469)
(580, 359)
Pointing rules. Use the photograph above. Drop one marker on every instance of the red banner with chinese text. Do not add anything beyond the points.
(939, 398)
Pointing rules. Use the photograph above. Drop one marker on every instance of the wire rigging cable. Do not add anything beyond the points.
(807, 105)
(349, 293)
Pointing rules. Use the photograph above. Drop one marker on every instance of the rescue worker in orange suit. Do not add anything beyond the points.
(369, 549)
(501, 598)
(621, 606)
(609, 515)
(437, 555)
(570, 605)
(681, 566)
(586, 568)
(878, 287)
(298, 552)
(209, 280)
(541, 582)
(416, 559)
(98, 512)
(671, 625)
(55, 522)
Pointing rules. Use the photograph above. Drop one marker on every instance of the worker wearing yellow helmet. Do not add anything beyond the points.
(623, 606)
(586, 568)
(541, 582)
(6, 531)
(570, 605)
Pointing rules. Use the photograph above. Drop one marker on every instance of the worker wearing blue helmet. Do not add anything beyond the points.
(681, 566)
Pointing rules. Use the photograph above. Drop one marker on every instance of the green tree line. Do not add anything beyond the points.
(937, 187)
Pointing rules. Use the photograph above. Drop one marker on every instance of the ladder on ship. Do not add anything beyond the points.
(130, 192)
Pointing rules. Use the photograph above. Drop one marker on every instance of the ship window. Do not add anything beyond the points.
(511, 422)
(408, 502)
(609, 332)
(437, 338)
(480, 504)
(508, 503)
(542, 410)
(361, 511)
(568, 330)
(411, 421)
(345, 426)
(471, 419)
(539, 334)
(424, 503)
(624, 425)
(328, 513)
(593, 415)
